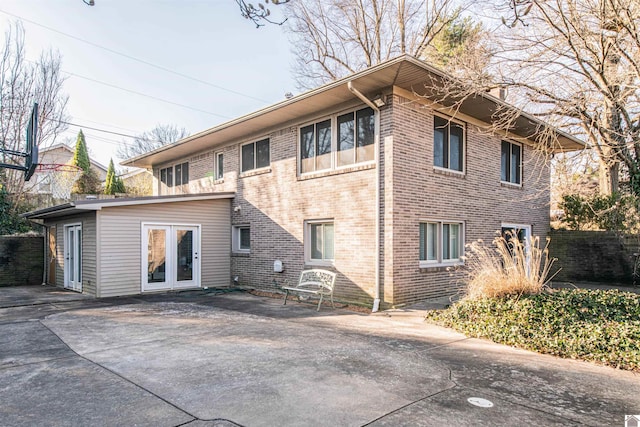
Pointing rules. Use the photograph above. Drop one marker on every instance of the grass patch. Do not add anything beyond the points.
(592, 325)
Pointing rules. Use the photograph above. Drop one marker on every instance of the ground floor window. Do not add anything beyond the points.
(319, 242)
(441, 242)
(241, 239)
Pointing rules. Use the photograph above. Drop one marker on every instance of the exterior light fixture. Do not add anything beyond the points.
(379, 101)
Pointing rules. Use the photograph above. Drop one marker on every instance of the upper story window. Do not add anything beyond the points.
(511, 163)
(340, 140)
(173, 176)
(441, 242)
(166, 176)
(255, 155)
(181, 174)
(219, 166)
(448, 144)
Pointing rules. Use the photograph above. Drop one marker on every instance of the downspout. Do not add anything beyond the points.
(356, 92)
(45, 245)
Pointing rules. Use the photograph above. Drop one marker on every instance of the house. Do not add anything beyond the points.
(366, 176)
(58, 154)
(138, 182)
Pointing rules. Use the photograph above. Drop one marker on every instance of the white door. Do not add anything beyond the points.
(186, 262)
(73, 257)
(171, 257)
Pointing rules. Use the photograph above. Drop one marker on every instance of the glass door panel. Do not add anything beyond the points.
(73, 257)
(156, 256)
(157, 267)
(187, 267)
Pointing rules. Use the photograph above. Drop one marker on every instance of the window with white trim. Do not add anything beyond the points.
(511, 163)
(338, 141)
(219, 166)
(255, 155)
(241, 239)
(448, 144)
(319, 242)
(174, 176)
(441, 242)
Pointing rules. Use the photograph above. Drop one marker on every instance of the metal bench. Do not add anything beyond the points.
(317, 282)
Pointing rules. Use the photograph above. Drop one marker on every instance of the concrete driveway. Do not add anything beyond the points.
(199, 359)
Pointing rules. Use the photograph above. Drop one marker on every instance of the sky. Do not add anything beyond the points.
(107, 48)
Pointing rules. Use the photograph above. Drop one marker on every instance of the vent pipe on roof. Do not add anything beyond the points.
(499, 92)
(374, 106)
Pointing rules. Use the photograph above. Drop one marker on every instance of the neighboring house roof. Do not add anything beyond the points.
(88, 205)
(405, 72)
(62, 146)
(134, 173)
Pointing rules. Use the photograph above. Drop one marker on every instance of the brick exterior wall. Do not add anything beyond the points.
(594, 256)
(276, 202)
(21, 260)
(420, 192)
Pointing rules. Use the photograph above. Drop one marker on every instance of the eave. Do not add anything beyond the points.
(92, 205)
(405, 72)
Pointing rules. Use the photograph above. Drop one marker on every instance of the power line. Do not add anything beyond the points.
(124, 55)
(155, 98)
(100, 130)
(145, 95)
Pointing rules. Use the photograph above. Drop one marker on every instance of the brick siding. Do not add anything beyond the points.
(594, 256)
(477, 198)
(21, 260)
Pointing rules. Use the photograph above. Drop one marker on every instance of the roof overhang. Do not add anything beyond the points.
(92, 205)
(405, 72)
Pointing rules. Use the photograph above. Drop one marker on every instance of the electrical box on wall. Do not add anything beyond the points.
(277, 266)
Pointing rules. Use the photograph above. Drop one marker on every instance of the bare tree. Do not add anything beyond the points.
(334, 38)
(577, 63)
(162, 134)
(260, 14)
(22, 83)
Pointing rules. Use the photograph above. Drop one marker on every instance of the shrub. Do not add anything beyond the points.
(593, 325)
(615, 212)
(511, 268)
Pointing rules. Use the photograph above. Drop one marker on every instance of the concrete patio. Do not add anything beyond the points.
(210, 359)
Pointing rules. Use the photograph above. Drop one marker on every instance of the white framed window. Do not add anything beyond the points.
(441, 243)
(218, 167)
(340, 140)
(241, 239)
(255, 155)
(319, 242)
(511, 163)
(448, 144)
(173, 176)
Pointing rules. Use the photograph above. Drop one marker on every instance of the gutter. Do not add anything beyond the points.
(356, 92)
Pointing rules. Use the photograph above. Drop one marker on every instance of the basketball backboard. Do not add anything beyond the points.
(31, 160)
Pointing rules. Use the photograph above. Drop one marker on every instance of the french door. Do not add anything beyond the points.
(73, 257)
(170, 256)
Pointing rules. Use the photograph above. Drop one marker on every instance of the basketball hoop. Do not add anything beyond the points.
(60, 177)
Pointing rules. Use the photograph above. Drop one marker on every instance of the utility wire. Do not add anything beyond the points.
(155, 98)
(144, 94)
(103, 130)
(133, 58)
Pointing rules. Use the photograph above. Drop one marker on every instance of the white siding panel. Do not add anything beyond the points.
(120, 246)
